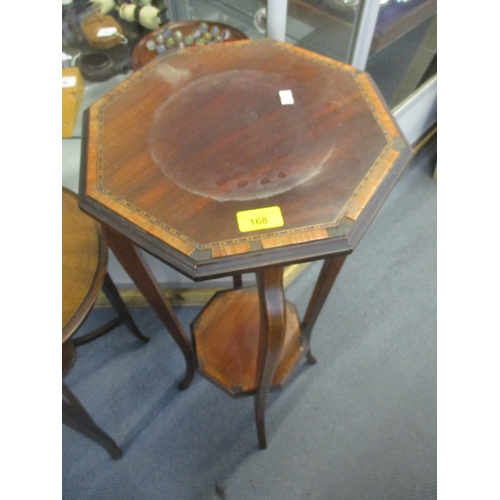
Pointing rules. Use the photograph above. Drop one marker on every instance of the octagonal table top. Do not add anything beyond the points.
(232, 157)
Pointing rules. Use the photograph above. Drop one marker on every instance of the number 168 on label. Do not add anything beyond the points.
(259, 218)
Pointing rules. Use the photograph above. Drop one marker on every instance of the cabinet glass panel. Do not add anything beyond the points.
(323, 26)
(403, 52)
(238, 14)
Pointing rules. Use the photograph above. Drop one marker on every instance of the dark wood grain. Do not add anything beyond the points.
(137, 268)
(84, 260)
(226, 339)
(188, 141)
(272, 336)
(68, 357)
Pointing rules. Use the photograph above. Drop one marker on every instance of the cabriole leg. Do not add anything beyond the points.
(137, 268)
(116, 301)
(272, 334)
(326, 279)
(75, 416)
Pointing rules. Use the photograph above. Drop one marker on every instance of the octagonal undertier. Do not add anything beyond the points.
(226, 336)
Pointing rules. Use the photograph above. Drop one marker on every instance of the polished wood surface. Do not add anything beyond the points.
(84, 260)
(72, 93)
(193, 138)
(135, 265)
(271, 340)
(226, 341)
(68, 358)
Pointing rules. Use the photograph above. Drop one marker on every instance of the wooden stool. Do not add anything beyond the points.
(84, 256)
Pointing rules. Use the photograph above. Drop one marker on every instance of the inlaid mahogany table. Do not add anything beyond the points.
(84, 274)
(236, 158)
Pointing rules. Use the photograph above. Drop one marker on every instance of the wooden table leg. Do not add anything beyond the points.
(75, 416)
(328, 274)
(272, 335)
(237, 281)
(116, 301)
(137, 268)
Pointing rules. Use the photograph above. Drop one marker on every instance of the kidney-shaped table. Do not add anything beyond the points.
(235, 158)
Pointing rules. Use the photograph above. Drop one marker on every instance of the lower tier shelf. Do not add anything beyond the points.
(226, 340)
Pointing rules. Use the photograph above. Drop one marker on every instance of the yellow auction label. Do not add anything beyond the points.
(259, 218)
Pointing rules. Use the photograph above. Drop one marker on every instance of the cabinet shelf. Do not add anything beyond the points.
(394, 21)
(397, 20)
